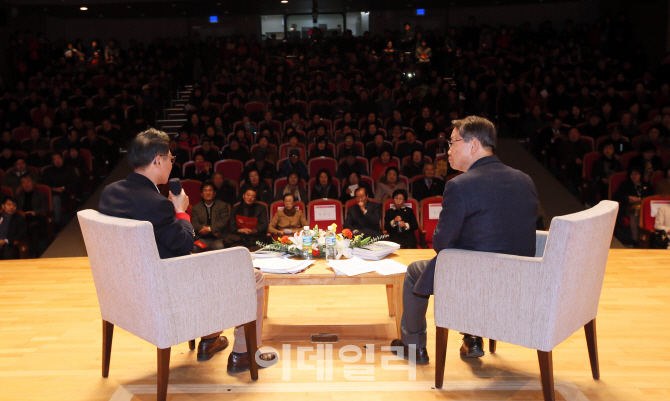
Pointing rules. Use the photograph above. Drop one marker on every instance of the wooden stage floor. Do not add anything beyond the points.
(50, 346)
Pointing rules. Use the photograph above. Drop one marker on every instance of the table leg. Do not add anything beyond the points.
(389, 299)
(397, 290)
(266, 297)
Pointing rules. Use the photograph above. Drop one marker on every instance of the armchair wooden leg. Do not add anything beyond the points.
(492, 346)
(107, 333)
(266, 297)
(163, 372)
(440, 354)
(546, 374)
(592, 344)
(252, 348)
(191, 345)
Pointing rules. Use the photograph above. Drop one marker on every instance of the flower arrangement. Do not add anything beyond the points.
(345, 242)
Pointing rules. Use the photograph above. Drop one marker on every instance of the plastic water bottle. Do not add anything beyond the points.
(330, 244)
(306, 243)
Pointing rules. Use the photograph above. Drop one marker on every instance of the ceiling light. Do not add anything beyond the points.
(83, 8)
(284, 1)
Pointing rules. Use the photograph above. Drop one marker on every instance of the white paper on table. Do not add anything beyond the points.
(351, 267)
(654, 205)
(281, 266)
(325, 212)
(434, 210)
(386, 267)
(353, 187)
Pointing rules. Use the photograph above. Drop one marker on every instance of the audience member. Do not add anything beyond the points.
(35, 206)
(14, 175)
(293, 163)
(323, 187)
(400, 221)
(209, 218)
(12, 229)
(602, 170)
(294, 187)
(248, 222)
(388, 184)
(629, 195)
(63, 181)
(364, 216)
(288, 220)
(429, 186)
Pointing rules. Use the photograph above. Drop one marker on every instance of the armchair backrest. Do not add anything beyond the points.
(575, 258)
(124, 259)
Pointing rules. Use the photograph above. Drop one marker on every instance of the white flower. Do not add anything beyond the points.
(343, 249)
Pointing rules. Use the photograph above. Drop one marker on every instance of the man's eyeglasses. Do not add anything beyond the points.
(451, 143)
(172, 158)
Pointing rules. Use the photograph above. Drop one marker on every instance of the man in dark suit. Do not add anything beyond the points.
(210, 219)
(35, 206)
(489, 208)
(12, 228)
(137, 197)
(364, 216)
(429, 185)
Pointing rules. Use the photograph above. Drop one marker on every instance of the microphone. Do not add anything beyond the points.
(175, 186)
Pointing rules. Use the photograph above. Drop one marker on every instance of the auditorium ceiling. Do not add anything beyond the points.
(200, 8)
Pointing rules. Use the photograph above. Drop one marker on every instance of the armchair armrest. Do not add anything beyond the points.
(209, 292)
(540, 242)
(497, 296)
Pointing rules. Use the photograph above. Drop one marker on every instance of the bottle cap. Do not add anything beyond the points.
(306, 228)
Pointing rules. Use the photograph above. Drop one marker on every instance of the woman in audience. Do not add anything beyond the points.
(260, 187)
(629, 195)
(400, 221)
(415, 166)
(380, 169)
(321, 149)
(292, 187)
(662, 224)
(248, 222)
(388, 184)
(323, 187)
(235, 151)
(288, 220)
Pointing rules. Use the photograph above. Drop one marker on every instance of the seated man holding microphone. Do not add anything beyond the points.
(137, 197)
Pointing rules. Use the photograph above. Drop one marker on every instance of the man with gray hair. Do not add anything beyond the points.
(489, 208)
(137, 197)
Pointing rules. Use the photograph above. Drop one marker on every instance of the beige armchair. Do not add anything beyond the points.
(161, 301)
(535, 302)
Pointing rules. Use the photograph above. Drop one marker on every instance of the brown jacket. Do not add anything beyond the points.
(281, 221)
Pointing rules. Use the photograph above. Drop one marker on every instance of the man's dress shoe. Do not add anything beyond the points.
(207, 349)
(421, 355)
(472, 347)
(239, 362)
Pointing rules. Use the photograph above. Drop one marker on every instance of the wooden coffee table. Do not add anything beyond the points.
(320, 274)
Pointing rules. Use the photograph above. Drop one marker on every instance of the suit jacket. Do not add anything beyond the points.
(137, 198)
(490, 208)
(220, 217)
(256, 210)
(420, 190)
(40, 202)
(367, 223)
(17, 228)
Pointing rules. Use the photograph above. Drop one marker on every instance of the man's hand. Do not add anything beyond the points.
(633, 199)
(59, 190)
(244, 231)
(362, 206)
(180, 201)
(398, 219)
(3, 242)
(205, 230)
(30, 213)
